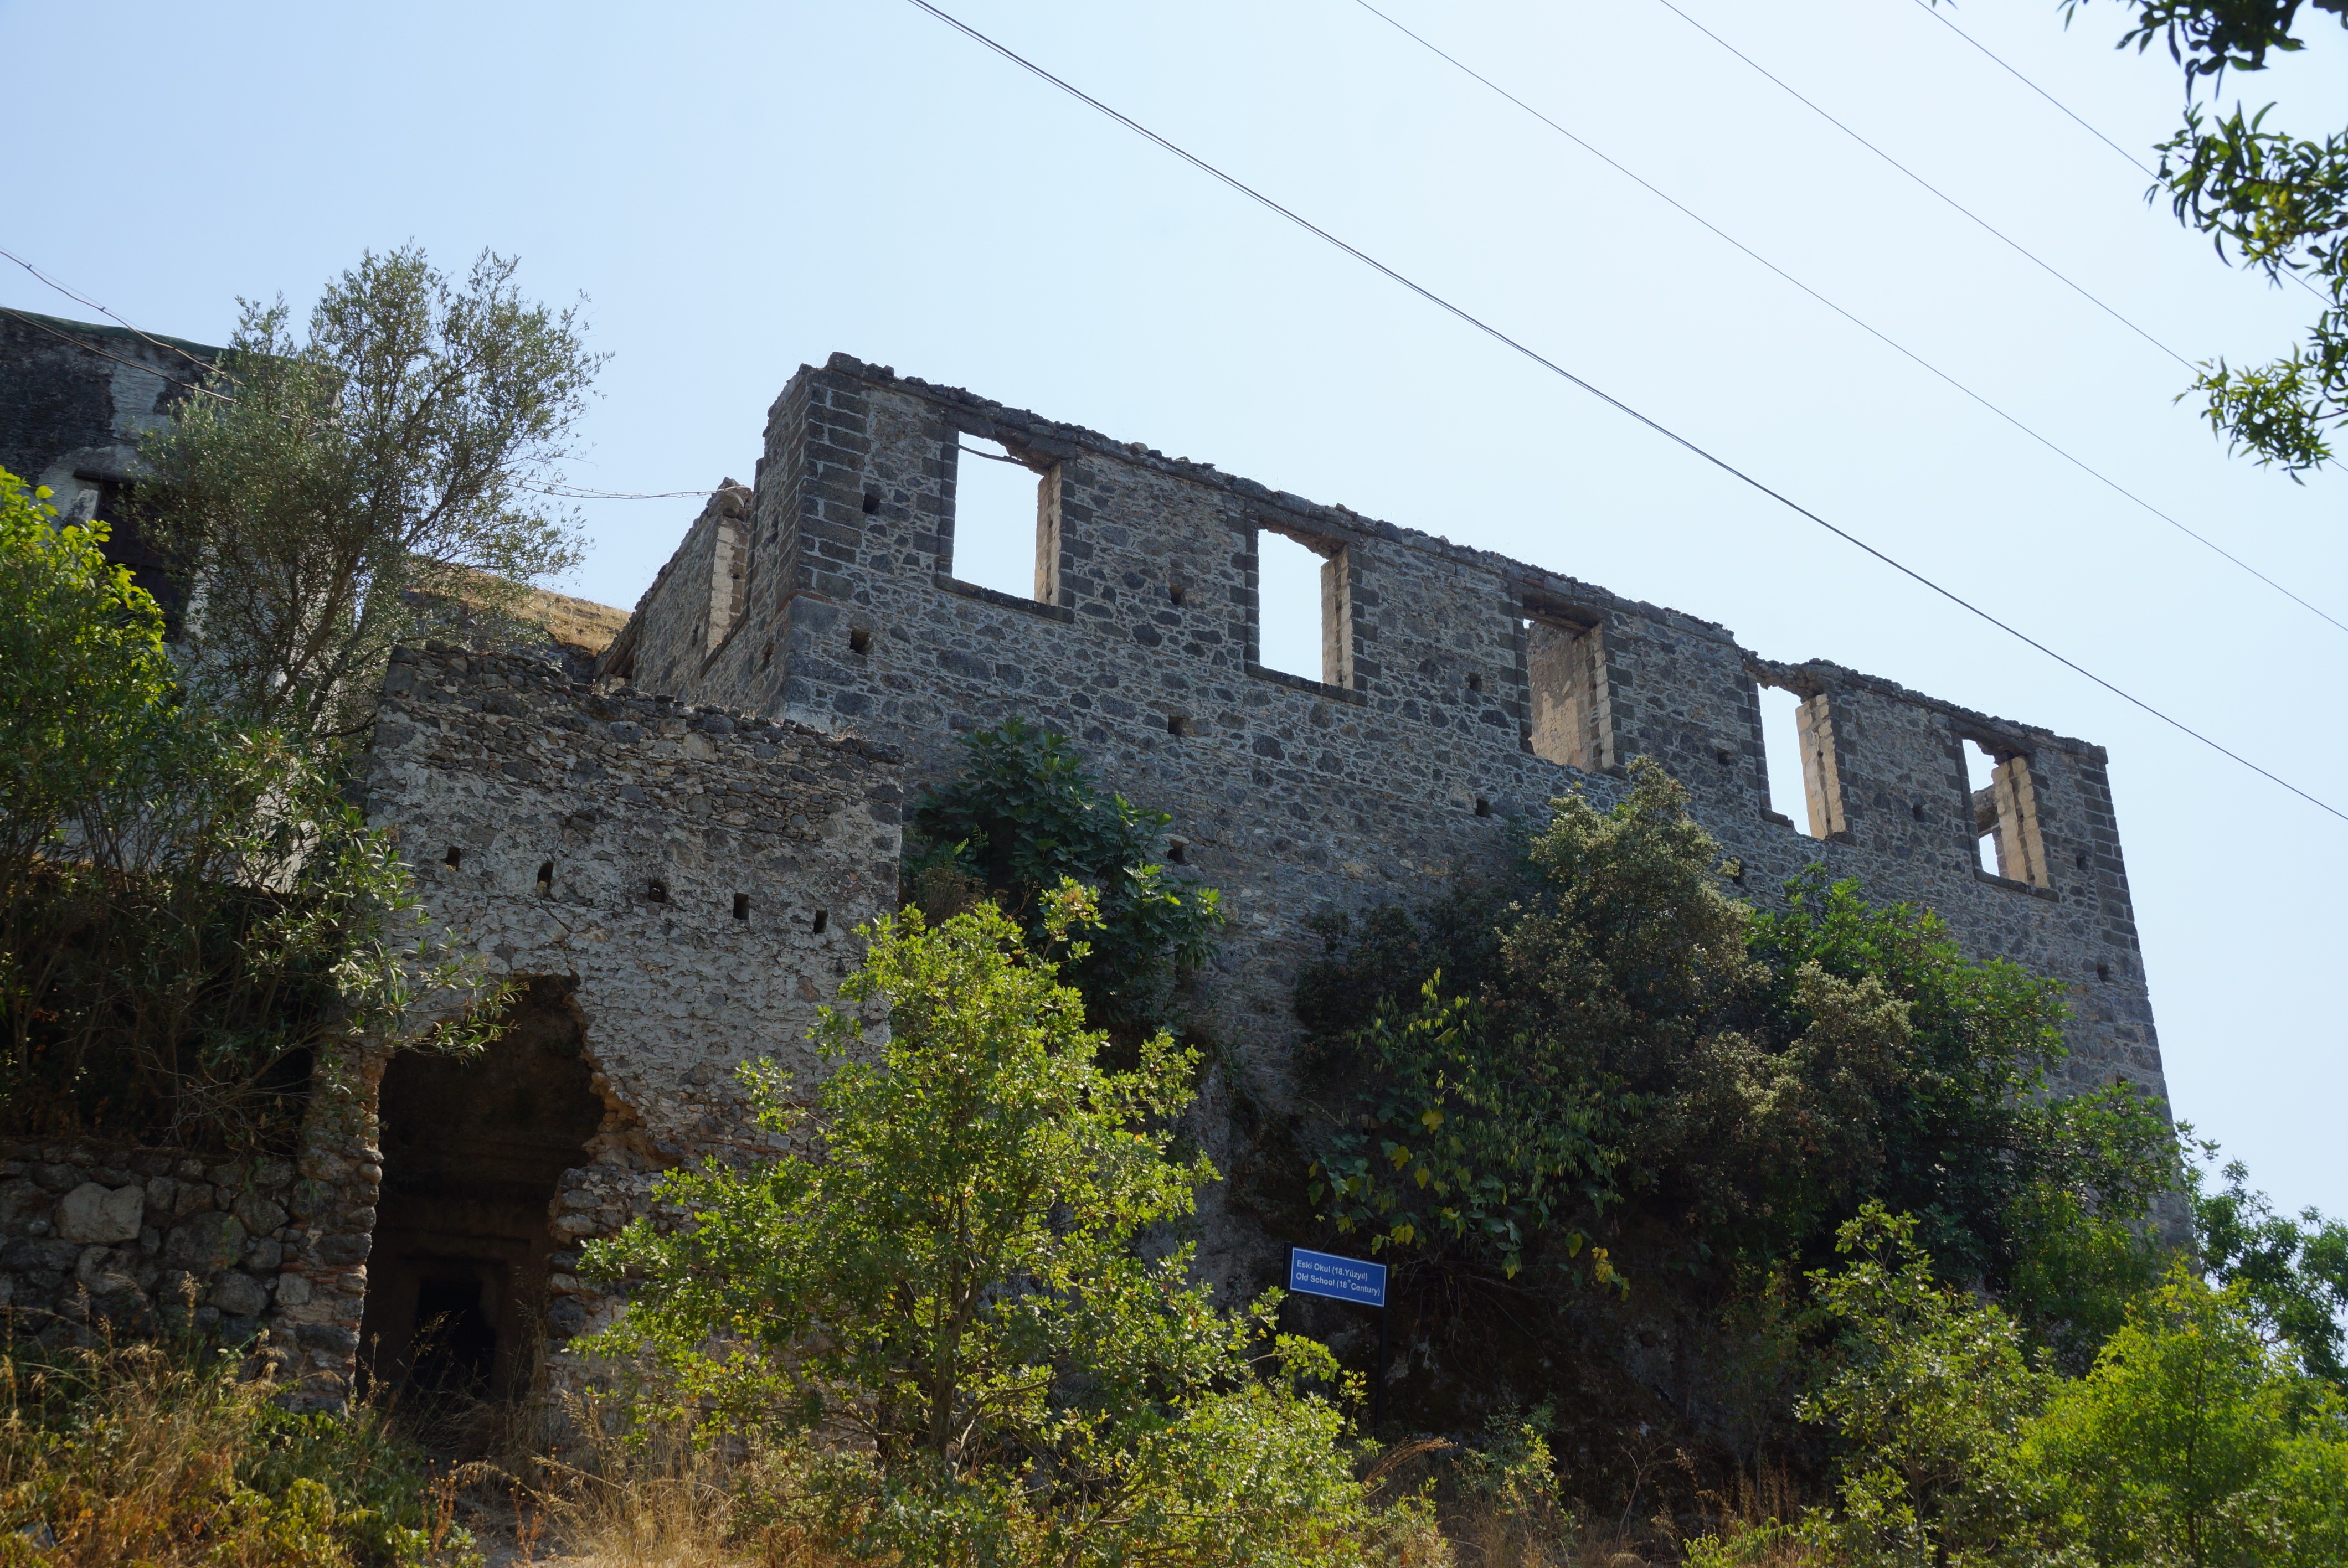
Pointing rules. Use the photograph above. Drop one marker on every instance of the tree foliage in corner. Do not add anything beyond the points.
(1024, 815)
(326, 492)
(190, 913)
(2270, 200)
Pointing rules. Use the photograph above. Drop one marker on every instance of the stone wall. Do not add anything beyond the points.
(690, 878)
(97, 1236)
(1459, 689)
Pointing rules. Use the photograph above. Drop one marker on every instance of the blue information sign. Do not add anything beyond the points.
(1339, 1279)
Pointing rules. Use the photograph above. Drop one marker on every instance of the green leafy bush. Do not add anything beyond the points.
(191, 913)
(1026, 815)
(946, 1286)
(1632, 1050)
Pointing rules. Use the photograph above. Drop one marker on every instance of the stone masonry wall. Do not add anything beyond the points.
(697, 875)
(1461, 688)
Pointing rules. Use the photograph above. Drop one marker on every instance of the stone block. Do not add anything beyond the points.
(204, 1243)
(94, 1213)
(237, 1294)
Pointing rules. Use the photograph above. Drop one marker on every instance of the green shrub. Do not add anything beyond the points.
(945, 1286)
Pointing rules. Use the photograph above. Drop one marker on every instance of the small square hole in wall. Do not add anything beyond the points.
(741, 906)
(1483, 806)
(1178, 595)
(546, 880)
(871, 503)
(822, 921)
(656, 891)
(1177, 852)
(1181, 724)
(998, 506)
(767, 655)
(1475, 682)
(859, 641)
(2103, 972)
(456, 857)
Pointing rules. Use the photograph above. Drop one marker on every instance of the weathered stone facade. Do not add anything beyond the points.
(690, 880)
(1459, 687)
(675, 881)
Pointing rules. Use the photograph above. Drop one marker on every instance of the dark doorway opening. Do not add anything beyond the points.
(473, 1149)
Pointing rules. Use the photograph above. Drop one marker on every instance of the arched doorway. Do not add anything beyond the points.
(472, 1151)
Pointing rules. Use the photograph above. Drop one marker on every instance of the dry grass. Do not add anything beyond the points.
(165, 1457)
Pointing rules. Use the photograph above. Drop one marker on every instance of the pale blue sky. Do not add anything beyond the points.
(743, 188)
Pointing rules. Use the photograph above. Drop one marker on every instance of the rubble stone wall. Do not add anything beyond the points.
(696, 875)
(1449, 672)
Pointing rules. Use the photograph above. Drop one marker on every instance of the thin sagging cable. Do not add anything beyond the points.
(1931, 9)
(1462, 314)
(196, 360)
(1937, 15)
(2076, 462)
(1984, 223)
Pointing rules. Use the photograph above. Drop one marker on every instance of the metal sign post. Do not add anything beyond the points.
(1353, 1279)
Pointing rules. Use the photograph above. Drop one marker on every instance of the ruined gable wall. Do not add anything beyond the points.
(1296, 795)
(614, 792)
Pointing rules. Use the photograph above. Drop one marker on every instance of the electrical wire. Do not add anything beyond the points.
(1665, 196)
(1984, 224)
(197, 359)
(1685, 443)
(1935, 13)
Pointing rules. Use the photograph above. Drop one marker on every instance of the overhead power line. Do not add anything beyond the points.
(1687, 444)
(1689, 212)
(1984, 223)
(197, 359)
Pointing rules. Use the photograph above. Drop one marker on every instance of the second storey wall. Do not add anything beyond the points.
(1460, 688)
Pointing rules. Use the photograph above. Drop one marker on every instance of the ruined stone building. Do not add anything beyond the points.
(673, 850)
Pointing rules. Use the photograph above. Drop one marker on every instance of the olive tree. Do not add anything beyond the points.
(337, 487)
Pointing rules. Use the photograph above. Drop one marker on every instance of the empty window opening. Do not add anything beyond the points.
(2004, 799)
(767, 655)
(656, 891)
(456, 857)
(1177, 852)
(998, 508)
(1483, 806)
(859, 641)
(1177, 594)
(2103, 972)
(741, 906)
(822, 921)
(1798, 738)
(1181, 724)
(546, 880)
(1475, 682)
(871, 503)
(1303, 619)
(474, 1149)
(1916, 811)
(1565, 673)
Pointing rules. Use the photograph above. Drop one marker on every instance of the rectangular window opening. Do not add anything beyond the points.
(1303, 609)
(1797, 740)
(741, 906)
(1000, 540)
(2005, 814)
(1981, 770)
(1566, 678)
